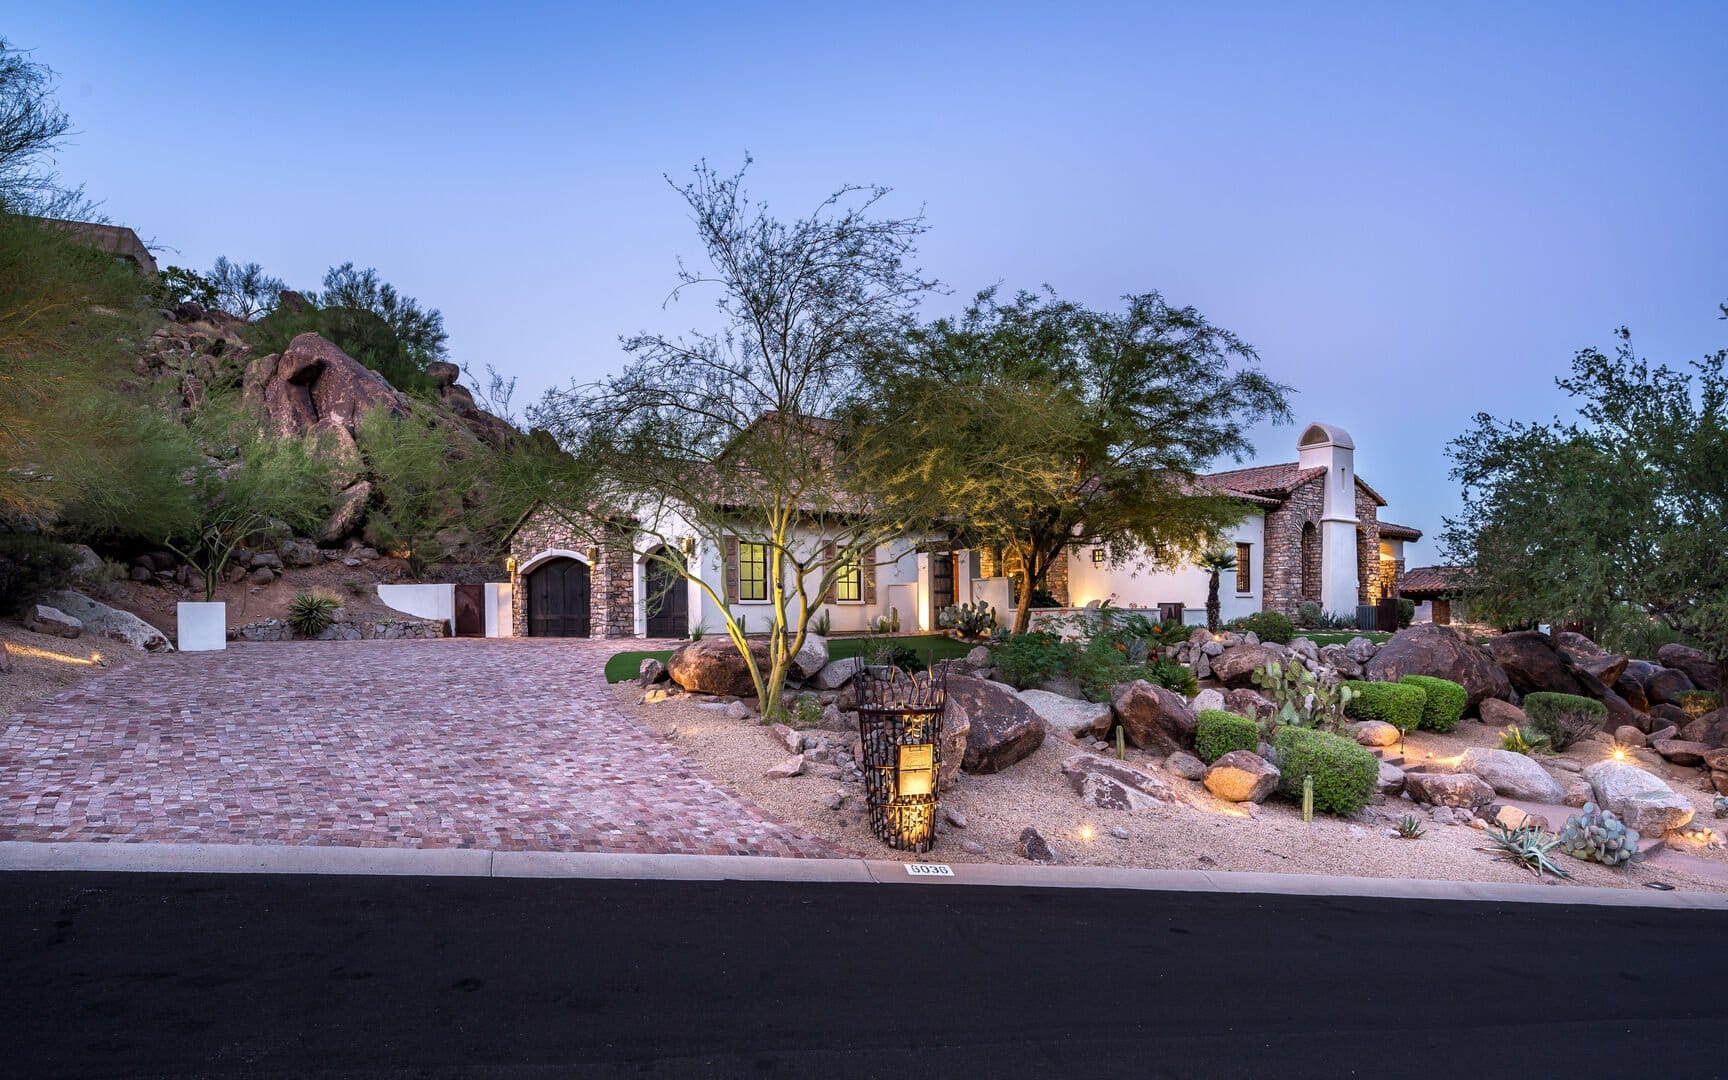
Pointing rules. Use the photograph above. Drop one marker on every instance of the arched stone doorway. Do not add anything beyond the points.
(1311, 565)
(665, 596)
(559, 599)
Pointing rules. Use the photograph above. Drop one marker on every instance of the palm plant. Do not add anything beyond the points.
(1216, 562)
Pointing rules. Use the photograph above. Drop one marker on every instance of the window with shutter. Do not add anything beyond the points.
(731, 572)
(869, 574)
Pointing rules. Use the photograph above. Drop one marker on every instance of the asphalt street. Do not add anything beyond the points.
(213, 975)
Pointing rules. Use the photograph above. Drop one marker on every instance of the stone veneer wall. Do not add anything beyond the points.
(1282, 556)
(1055, 579)
(1368, 589)
(611, 577)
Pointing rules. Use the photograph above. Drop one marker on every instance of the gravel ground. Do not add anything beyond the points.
(43, 665)
(1195, 832)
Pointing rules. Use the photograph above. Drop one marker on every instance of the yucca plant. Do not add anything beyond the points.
(1523, 740)
(311, 613)
(1528, 846)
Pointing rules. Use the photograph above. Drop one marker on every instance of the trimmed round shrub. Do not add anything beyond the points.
(29, 567)
(1564, 718)
(1217, 732)
(1445, 702)
(1270, 626)
(1396, 703)
(1345, 774)
(1406, 612)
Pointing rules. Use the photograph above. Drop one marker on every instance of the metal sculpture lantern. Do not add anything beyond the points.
(900, 726)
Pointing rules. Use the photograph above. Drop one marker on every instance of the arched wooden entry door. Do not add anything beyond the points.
(558, 597)
(667, 597)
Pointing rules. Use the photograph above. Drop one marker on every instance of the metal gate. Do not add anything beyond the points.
(470, 611)
(667, 599)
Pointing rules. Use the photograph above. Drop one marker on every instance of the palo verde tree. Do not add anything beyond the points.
(729, 435)
(1045, 425)
(1615, 516)
(422, 469)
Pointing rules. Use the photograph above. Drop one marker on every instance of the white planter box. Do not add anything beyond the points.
(203, 626)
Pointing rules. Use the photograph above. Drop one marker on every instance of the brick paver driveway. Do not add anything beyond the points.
(504, 744)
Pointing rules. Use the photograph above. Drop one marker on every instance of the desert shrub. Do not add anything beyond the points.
(1406, 612)
(822, 625)
(1398, 704)
(29, 567)
(1044, 598)
(1444, 704)
(1698, 702)
(1172, 676)
(1345, 774)
(311, 613)
(1217, 732)
(1025, 660)
(1564, 718)
(1523, 740)
(1311, 615)
(973, 620)
(1268, 626)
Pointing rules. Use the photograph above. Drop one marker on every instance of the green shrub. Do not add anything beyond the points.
(1564, 718)
(1698, 702)
(1398, 704)
(1445, 702)
(311, 613)
(1310, 614)
(1345, 774)
(1217, 732)
(1025, 660)
(1406, 612)
(1523, 740)
(29, 567)
(1172, 676)
(1268, 626)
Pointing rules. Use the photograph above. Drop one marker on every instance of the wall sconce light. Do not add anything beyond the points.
(510, 564)
(593, 553)
(688, 546)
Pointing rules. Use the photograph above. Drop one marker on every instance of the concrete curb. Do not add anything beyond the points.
(24, 855)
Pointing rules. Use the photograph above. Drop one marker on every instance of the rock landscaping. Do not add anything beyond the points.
(1049, 760)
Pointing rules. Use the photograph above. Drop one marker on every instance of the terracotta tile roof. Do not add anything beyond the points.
(1426, 582)
(1399, 532)
(1276, 481)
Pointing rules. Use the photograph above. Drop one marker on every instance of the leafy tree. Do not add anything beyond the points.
(420, 331)
(731, 433)
(244, 290)
(1045, 425)
(177, 284)
(1614, 516)
(420, 470)
(258, 486)
(1216, 562)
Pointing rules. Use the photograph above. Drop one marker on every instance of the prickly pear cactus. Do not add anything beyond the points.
(1596, 835)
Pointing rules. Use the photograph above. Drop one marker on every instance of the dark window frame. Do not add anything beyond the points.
(849, 582)
(752, 556)
(1244, 569)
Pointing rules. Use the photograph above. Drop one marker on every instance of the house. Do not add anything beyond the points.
(1312, 532)
(1434, 590)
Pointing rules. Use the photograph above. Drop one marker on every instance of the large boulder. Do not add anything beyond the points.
(1152, 717)
(1533, 664)
(1632, 692)
(1089, 718)
(1711, 728)
(1640, 671)
(812, 658)
(1666, 686)
(312, 381)
(1432, 649)
(715, 666)
(1250, 703)
(1241, 776)
(1003, 729)
(837, 673)
(350, 511)
(109, 623)
(1607, 667)
(1638, 798)
(43, 619)
(1111, 785)
(1503, 714)
(1461, 790)
(1235, 666)
(1694, 662)
(1513, 776)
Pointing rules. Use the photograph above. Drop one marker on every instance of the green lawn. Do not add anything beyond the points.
(929, 647)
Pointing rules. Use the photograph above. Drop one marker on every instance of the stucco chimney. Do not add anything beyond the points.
(1329, 447)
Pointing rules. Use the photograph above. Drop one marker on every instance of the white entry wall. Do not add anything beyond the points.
(1135, 585)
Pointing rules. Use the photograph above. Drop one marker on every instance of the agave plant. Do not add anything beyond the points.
(1528, 846)
(1409, 827)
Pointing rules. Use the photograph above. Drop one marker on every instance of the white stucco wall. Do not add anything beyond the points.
(498, 621)
(1135, 585)
(201, 626)
(421, 601)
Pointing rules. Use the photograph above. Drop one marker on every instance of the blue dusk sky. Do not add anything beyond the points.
(1413, 212)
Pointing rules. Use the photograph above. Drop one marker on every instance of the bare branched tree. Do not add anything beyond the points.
(730, 435)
